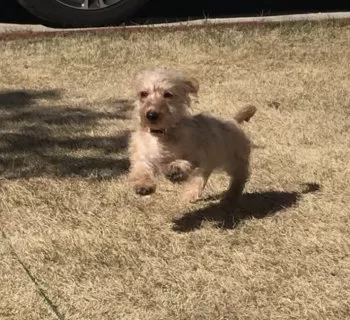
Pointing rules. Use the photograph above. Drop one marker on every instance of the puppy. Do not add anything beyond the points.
(169, 140)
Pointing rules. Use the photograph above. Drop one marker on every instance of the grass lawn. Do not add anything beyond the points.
(75, 243)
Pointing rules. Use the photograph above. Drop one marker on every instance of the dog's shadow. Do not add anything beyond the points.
(252, 205)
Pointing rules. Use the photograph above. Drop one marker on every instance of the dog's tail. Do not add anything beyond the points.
(245, 113)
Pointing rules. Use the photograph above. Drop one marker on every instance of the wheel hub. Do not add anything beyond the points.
(88, 4)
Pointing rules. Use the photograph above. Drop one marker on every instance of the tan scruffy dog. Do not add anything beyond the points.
(169, 140)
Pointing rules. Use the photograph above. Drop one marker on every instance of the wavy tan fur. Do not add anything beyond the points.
(183, 146)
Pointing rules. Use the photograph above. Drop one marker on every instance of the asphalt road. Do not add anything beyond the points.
(164, 11)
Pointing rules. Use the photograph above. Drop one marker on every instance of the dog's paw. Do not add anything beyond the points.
(176, 174)
(144, 190)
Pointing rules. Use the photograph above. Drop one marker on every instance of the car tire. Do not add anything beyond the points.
(58, 14)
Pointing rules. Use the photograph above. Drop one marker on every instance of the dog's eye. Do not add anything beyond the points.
(167, 94)
(143, 94)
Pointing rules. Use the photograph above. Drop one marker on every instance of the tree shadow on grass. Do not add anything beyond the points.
(256, 205)
(23, 98)
(40, 140)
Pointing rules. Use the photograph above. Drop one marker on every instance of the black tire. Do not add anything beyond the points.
(59, 15)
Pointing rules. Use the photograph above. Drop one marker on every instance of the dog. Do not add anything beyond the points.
(169, 140)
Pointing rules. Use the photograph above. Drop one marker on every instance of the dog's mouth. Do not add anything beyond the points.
(158, 132)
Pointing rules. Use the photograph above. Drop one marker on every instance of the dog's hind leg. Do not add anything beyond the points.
(232, 197)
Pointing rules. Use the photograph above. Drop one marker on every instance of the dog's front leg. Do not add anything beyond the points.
(142, 178)
(196, 184)
(178, 170)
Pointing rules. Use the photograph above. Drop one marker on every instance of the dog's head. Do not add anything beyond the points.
(163, 98)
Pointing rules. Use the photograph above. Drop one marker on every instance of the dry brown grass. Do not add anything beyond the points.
(95, 251)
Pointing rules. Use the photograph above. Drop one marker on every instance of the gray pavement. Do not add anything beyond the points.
(20, 28)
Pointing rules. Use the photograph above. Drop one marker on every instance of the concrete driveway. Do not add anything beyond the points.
(343, 16)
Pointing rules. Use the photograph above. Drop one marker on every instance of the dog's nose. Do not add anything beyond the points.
(152, 115)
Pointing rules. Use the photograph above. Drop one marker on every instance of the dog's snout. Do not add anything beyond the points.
(152, 115)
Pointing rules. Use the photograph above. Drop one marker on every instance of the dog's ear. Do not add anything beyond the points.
(192, 85)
